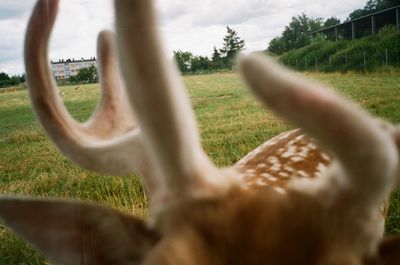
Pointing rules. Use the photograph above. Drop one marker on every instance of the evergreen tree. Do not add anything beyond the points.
(217, 61)
(232, 45)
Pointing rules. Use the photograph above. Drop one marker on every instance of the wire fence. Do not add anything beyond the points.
(361, 60)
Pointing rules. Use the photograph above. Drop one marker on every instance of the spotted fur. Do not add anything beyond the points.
(299, 205)
(279, 160)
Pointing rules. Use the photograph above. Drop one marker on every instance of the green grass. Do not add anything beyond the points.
(231, 122)
(331, 55)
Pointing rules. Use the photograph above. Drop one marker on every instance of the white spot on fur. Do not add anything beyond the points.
(312, 146)
(280, 190)
(273, 160)
(273, 179)
(260, 182)
(321, 168)
(276, 167)
(283, 174)
(325, 157)
(296, 158)
(262, 165)
(303, 174)
(288, 168)
(288, 153)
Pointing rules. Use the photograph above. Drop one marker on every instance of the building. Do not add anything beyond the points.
(64, 69)
(363, 26)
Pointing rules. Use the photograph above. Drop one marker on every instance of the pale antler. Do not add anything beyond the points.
(81, 142)
(110, 142)
(361, 146)
(367, 162)
(113, 115)
(157, 94)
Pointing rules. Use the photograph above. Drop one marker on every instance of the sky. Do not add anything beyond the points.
(187, 25)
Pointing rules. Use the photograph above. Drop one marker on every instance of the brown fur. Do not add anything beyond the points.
(279, 145)
(242, 227)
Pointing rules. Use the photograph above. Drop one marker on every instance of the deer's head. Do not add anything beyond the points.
(201, 214)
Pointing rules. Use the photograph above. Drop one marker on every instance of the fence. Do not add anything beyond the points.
(365, 60)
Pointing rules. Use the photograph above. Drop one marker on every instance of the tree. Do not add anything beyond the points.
(22, 78)
(87, 75)
(231, 46)
(217, 60)
(183, 59)
(200, 63)
(4, 77)
(296, 34)
(4, 80)
(332, 21)
(15, 80)
(277, 46)
(373, 6)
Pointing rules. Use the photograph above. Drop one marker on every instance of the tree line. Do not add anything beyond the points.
(373, 6)
(297, 33)
(14, 80)
(222, 58)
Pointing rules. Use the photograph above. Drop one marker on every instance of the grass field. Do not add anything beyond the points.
(231, 125)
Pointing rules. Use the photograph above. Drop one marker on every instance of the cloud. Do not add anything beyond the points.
(77, 26)
(187, 25)
(14, 9)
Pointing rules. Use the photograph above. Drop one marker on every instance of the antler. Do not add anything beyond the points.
(366, 154)
(165, 149)
(91, 145)
(158, 97)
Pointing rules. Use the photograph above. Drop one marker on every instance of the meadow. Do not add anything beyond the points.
(231, 122)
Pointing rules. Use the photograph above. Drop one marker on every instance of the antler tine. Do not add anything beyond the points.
(365, 151)
(113, 115)
(159, 99)
(93, 150)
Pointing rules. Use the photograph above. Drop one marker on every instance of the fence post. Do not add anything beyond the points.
(305, 63)
(345, 59)
(330, 63)
(316, 64)
(297, 64)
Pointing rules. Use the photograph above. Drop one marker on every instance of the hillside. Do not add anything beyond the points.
(371, 53)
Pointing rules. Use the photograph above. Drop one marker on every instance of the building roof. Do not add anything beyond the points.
(62, 61)
(359, 18)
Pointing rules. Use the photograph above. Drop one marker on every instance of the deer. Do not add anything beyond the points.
(309, 196)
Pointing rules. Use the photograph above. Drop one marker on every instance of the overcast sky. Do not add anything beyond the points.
(188, 25)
